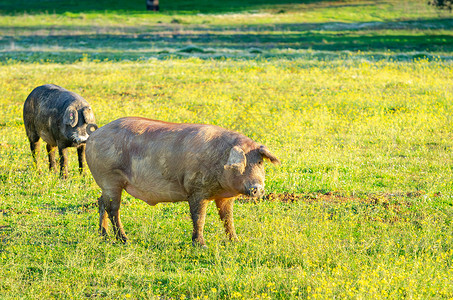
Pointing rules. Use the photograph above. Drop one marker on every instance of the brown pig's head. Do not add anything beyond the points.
(244, 172)
(78, 124)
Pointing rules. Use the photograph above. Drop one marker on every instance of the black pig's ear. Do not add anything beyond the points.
(88, 115)
(70, 117)
(268, 155)
(236, 159)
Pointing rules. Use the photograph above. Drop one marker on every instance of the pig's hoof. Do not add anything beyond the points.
(198, 245)
(123, 240)
(104, 238)
(120, 242)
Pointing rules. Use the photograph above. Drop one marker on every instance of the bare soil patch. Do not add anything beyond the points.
(336, 197)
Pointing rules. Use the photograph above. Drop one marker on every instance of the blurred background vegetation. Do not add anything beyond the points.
(68, 31)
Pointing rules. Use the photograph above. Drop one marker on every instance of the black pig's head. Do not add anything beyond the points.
(78, 124)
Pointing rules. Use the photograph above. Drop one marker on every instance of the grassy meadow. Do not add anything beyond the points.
(355, 97)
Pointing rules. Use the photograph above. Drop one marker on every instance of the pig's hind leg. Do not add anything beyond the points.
(35, 145)
(51, 153)
(109, 204)
(103, 225)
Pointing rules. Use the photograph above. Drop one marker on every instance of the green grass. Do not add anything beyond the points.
(354, 97)
(343, 125)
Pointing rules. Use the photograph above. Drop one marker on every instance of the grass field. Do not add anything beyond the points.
(355, 97)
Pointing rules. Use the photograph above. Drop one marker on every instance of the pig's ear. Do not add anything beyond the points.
(88, 115)
(268, 155)
(236, 160)
(70, 117)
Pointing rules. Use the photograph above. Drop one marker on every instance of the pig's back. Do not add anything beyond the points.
(137, 137)
(50, 100)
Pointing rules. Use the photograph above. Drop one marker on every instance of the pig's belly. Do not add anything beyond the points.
(156, 193)
(47, 137)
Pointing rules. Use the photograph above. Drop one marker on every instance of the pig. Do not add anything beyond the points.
(157, 161)
(62, 119)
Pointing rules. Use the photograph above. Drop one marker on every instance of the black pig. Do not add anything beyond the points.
(62, 119)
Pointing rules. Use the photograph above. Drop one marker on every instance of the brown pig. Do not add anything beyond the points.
(157, 161)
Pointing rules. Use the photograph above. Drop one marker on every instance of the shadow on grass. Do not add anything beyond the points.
(73, 208)
(69, 44)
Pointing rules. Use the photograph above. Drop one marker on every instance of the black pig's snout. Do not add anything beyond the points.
(76, 139)
(91, 128)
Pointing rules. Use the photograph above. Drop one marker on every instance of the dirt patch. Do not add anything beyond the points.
(285, 197)
(336, 197)
(384, 207)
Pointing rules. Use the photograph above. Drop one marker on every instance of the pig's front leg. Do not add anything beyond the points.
(63, 152)
(81, 156)
(198, 206)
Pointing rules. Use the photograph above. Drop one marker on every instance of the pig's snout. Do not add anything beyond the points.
(91, 128)
(80, 139)
(255, 190)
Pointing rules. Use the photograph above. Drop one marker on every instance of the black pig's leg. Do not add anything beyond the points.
(51, 153)
(225, 208)
(35, 143)
(198, 208)
(82, 159)
(63, 152)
